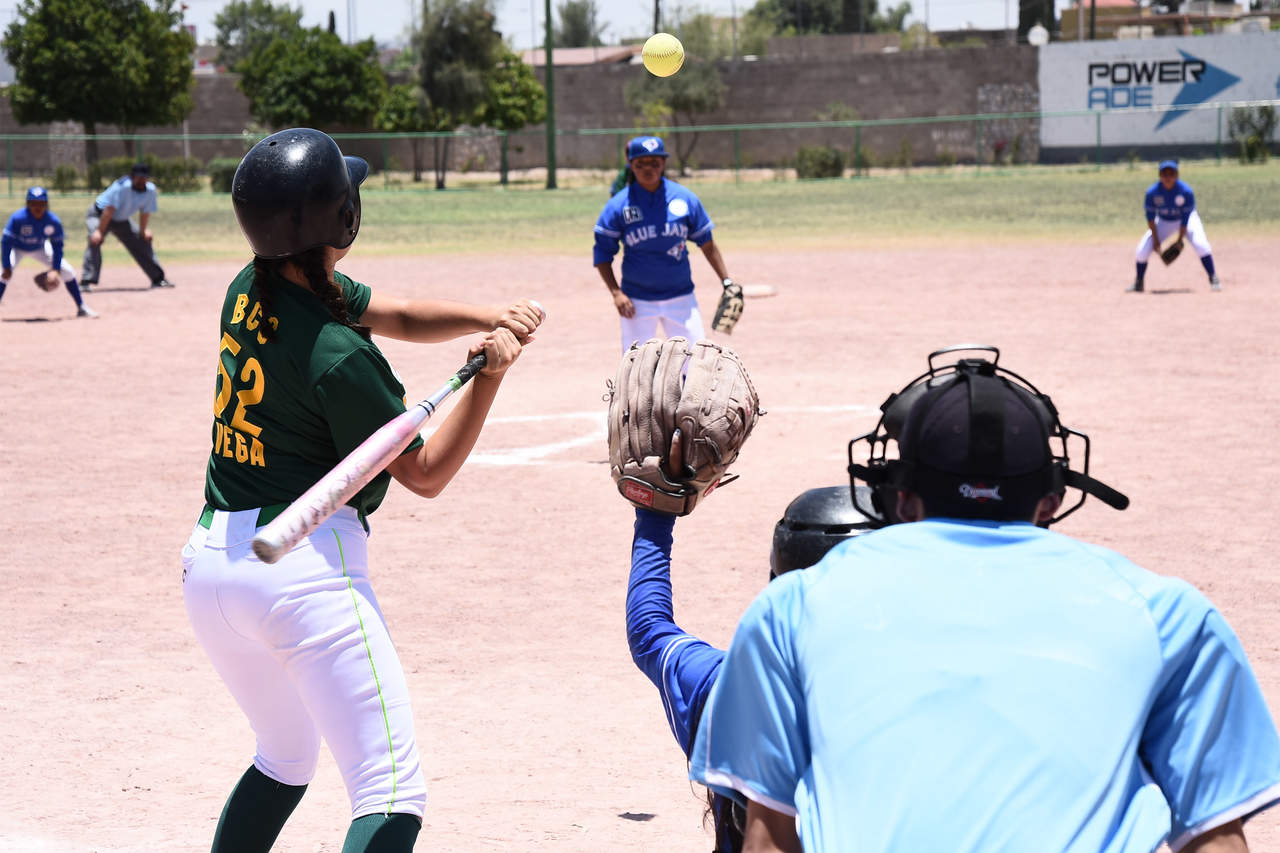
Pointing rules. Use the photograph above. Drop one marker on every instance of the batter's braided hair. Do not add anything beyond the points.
(311, 264)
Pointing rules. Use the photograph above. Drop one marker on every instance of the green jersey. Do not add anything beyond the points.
(286, 410)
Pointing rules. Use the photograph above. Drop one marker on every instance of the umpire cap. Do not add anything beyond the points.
(814, 522)
(295, 191)
(37, 194)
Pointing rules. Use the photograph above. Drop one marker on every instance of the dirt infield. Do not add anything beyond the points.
(505, 595)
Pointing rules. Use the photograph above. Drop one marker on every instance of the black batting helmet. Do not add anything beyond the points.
(295, 191)
(814, 522)
(974, 440)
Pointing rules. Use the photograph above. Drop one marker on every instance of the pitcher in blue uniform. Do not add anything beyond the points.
(1170, 207)
(654, 216)
(968, 680)
(35, 231)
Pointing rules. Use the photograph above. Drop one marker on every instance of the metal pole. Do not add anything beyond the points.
(1219, 134)
(978, 160)
(503, 179)
(1093, 19)
(551, 98)
(737, 157)
(8, 164)
(857, 150)
(1098, 123)
(386, 171)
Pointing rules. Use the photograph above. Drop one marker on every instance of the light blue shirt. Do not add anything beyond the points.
(977, 686)
(126, 200)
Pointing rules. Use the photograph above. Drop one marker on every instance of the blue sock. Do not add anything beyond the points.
(73, 287)
(1142, 272)
(3, 285)
(1207, 261)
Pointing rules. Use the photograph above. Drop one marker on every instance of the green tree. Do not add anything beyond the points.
(459, 48)
(693, 92)
(801, 17)
(579, 24)
(312, 79)
(401, 112)
(123, 63)
(516, 99)
(247, 26)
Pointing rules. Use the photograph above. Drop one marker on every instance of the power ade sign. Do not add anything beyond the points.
(1125, 79)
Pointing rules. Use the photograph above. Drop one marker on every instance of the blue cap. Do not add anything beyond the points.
(37, 194)
(645, 146)
(1168, 164)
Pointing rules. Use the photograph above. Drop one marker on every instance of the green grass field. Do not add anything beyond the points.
(924, 204)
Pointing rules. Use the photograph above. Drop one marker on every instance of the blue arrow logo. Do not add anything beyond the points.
(1210, 82)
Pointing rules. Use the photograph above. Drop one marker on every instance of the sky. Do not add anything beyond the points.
(387, 20)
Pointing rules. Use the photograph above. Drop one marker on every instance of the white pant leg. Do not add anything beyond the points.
(1196, 236)
(1164, 229)
(681, 317)
(304, 649)
(643, 324)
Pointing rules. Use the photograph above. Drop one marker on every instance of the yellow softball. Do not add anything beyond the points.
(663, 54)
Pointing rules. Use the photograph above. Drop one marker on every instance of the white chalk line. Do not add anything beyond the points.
(597, 431)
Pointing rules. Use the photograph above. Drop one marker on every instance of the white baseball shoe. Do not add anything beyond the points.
(1214, 284)
(86, 311)
(1136, 287)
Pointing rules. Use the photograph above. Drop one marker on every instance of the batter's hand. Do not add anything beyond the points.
(5, 275)
(522, 318)
(624, 304)
(501, 348)
(95, 238)
(146, 234)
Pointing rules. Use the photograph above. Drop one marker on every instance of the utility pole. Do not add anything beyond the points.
(550, 69)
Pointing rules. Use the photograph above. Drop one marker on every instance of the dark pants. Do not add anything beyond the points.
(128, 234)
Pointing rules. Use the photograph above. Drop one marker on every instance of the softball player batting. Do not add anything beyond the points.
(1170, 206)
(36, 231)
(302, 644)
(967, 680)
(655, 217)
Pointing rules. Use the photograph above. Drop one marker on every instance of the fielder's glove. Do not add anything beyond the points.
(729, 309)
(1170, 254)
(713, 409)
(46, 281)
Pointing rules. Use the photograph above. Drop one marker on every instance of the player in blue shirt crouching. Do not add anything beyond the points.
(35, 231)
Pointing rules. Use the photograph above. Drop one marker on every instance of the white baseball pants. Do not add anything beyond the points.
(304, 649)
(680, 318)
(67, 271)
(1166, 228)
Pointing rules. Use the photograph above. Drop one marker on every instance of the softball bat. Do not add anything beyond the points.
(355, 471)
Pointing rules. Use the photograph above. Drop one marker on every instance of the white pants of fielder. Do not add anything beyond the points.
(45, 254)
(680, 317)
(1166, 228)
(304, 649)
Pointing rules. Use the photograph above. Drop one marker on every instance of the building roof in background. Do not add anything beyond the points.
(606, 55)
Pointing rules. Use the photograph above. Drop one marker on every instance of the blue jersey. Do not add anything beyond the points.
(979, 686)
(680, 665)
(1175, 204)
(26, 232)
(126, 200)
(654, 226)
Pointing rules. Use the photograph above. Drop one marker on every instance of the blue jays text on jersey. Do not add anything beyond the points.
(1175, 204)
(654, 226)
(27, 233)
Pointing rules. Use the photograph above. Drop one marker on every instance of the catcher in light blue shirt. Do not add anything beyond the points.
(654, 217)
(968, 680)
(111, 211)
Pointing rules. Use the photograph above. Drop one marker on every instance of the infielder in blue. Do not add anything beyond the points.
(111, 211)
(35, 231)
(654, 217)
(684, 667)
(1170, 206)
(969, 681)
